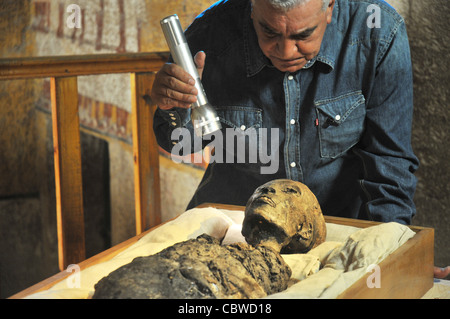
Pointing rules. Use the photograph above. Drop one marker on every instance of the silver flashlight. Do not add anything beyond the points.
(203, 116)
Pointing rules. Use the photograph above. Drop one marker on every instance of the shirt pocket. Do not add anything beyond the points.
(240, 117)
(241, 126)
(340, 123)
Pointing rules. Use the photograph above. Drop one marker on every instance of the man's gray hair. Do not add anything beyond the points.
(289, 4)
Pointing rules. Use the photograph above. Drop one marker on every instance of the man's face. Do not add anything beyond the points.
(290, 38)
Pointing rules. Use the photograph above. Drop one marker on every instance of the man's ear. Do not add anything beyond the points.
(330, 11)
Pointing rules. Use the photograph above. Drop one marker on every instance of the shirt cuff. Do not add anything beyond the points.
(176, 117)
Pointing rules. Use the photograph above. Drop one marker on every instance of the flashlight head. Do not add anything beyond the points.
(205, 120)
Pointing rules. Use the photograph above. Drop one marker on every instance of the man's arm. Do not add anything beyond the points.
(385, 148)
(174, 91)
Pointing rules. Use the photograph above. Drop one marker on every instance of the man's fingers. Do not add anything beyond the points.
(178, 80)
(441, 273)
(177, 87)
(199, 60)
(177, 71)
(173, 87)
(172, 98)
(167, 103)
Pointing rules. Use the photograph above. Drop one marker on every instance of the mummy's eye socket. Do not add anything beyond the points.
(290, 190)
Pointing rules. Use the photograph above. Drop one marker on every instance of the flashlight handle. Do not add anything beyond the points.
(181, 54)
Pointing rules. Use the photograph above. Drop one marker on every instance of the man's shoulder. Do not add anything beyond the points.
(218, 26)
(368, 19)
(223, 7)
(366, 8)
(224, 13)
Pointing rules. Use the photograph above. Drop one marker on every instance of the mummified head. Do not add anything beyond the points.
(284, 215)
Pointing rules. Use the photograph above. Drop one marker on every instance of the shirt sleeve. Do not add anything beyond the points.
(385, 149)
(166, 121)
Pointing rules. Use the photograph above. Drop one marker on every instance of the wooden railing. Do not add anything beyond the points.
(63, 72)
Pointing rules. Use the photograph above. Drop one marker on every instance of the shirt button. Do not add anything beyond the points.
(337, 117)
(292, 121)
(290, 77)
(174, 124)
(243, 127)
(293, 164)
(171, 114)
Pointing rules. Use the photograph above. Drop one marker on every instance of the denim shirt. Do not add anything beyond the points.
(343, 121)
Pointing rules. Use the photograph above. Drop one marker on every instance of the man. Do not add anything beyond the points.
(335, 83)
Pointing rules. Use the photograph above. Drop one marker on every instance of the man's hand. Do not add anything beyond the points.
(441, 273)
(174, 87)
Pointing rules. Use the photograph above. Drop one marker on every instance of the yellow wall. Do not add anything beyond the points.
(17, 162)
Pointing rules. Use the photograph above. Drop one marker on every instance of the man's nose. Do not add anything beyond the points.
(287, 48)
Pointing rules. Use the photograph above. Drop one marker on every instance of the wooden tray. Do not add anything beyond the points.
(405, 274)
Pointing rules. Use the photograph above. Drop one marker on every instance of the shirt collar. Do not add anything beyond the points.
(255, 60)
